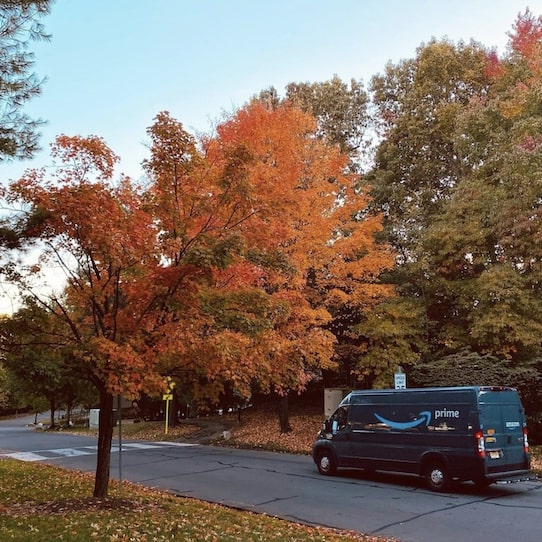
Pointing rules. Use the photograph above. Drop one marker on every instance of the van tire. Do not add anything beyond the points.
(437, 477)
(326, 463)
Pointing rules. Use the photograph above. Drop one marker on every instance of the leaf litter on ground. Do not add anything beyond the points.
(41, 502)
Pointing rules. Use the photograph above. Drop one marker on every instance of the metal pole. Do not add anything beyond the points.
(167, 415)
(119, 416)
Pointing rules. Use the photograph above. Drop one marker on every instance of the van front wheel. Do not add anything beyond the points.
(326, 463)
(437, 476)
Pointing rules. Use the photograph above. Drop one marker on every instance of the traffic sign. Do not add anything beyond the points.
(400, 381)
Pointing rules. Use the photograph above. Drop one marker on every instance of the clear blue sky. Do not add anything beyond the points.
(112, 65)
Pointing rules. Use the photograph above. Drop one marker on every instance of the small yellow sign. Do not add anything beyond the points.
(167, 396)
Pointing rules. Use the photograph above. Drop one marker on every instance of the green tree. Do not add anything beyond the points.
(417, 163)
(342, 113)
(391, 336)
(417, 166)
(19, 25)
(32, 356)
(490, 253)
(457, 176)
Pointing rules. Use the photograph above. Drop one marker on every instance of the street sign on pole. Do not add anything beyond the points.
(167, 397)
(400, 381)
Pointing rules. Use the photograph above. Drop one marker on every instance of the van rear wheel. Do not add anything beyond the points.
(326, 463)
(437, 477)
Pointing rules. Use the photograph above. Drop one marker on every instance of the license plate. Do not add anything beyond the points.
(495, 455)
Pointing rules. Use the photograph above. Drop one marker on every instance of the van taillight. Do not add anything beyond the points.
(480, 444)
(525, 441)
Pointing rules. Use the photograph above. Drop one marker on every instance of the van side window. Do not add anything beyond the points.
(362, 419)
(341, 417)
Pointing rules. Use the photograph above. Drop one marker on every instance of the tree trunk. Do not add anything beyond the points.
(173, 420)
(52, 408)
(105, 436)
(69, 408)
(283, 414)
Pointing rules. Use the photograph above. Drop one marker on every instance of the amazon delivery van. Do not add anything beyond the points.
(443, 434)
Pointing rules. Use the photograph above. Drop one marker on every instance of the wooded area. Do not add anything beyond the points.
(331, 234)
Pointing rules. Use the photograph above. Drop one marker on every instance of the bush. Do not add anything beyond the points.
(534, 425)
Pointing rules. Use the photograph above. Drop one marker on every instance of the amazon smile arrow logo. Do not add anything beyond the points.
(424, 417)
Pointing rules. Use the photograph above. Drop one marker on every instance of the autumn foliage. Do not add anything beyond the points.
(259, 229)
(247, 259)
(224, 270)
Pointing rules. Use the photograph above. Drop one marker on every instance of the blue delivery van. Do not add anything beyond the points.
(442, 434)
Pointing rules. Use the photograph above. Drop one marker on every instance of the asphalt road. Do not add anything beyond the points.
(289, 486)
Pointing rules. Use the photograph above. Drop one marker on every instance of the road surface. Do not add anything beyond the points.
(289, 486)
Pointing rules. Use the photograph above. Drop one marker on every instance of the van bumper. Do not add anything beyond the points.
(512, 477)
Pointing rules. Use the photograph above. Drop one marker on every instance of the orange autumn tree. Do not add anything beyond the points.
(268, 215)
(100, 237)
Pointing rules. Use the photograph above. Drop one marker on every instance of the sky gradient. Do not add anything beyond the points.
(112, 65)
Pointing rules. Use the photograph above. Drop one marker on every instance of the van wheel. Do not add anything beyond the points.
(326, 463)
(437, 477)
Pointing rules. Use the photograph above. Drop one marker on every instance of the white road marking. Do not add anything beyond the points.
(140, 445)
(68, 452)
(180, 444)
(25, 456)
(58, 453)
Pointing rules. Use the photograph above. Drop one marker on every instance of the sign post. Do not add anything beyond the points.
(119, 416)
(167, 397)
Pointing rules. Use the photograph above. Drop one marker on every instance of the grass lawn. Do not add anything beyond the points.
(42, 503)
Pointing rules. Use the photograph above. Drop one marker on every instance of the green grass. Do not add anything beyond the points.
(41, 503)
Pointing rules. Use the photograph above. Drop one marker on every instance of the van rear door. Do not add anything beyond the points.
(502, 421)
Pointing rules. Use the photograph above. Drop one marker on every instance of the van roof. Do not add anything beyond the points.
(476, 389)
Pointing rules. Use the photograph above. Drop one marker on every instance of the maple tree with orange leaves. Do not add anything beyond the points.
(283, 204)
(224, 267)
(98, 235)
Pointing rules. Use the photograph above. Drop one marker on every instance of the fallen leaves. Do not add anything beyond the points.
(41, 502)
(75, 505)
(260, 429)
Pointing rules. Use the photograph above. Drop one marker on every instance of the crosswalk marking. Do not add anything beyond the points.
(180, 444)
(72, 452)
(58, 453)
(141, 445)
(25, 456)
